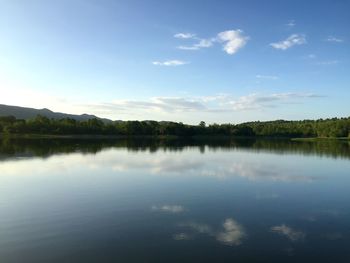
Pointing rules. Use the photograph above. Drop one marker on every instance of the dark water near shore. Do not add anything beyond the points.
(148, 200)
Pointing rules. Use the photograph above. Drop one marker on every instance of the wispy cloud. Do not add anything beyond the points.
(291, 23)
(213, 104)
(204, 166)
(185, 35)
(163, 163)
(291, 41)
(171, 104)
(271, 77)
(258, 101)
(255, 171)
(288, 232)
(193, 47)
(169, 208)
(152, 105)
(232, 234)
(311, 56)
(334, 39)
(170, 63)
(202, 43)
(232, 41)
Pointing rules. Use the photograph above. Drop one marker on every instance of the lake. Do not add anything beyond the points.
(147, 200)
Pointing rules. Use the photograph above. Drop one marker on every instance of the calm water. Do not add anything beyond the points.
(174, 201)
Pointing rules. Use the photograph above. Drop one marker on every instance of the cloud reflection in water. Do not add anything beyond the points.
(232, 234)
(169, 208)
(221, 165)
(290, 233)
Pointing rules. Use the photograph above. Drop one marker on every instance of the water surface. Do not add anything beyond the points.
(174, 201)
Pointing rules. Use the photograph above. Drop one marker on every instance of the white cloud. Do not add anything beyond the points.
(291, 23)
(163, 163)
(159, 108)
(266, 77)
(202, 43)
(170, 164)
(288, 232)
(292, 40)
(170, 63)
(233, 39)
(165, 104)
(254, 171)
(232, 233)
(184, 35)
(193, 47)
(169, 208)
(205, 166)
(334, 39)
(219, 103)
(257, 101)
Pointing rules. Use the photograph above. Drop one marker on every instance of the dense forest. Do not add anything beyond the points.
(335, 127)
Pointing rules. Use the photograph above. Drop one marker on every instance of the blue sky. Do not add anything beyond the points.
(217, 61)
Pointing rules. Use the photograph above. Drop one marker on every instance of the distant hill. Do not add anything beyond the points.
(28, 113)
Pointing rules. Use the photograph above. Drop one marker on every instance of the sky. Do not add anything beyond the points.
(186, 61)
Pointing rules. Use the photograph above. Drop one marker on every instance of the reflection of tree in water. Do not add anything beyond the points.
(10, 148)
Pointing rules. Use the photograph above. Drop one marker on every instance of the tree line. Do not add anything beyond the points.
(335, 127)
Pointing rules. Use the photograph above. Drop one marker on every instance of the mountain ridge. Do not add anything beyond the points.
(29, 113)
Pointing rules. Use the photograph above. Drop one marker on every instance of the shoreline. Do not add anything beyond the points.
(313, 139)
(101, 136)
